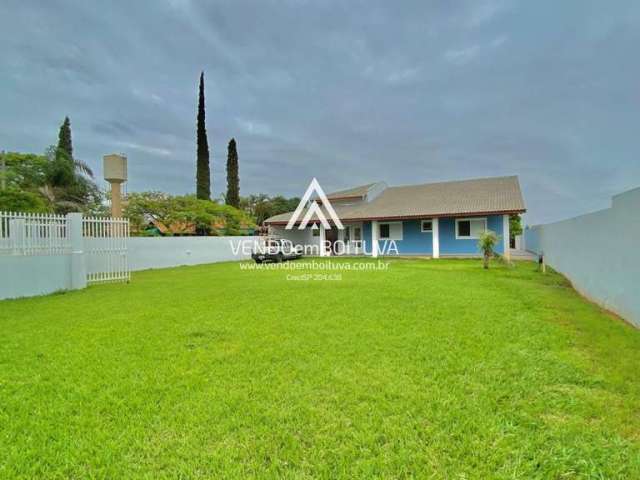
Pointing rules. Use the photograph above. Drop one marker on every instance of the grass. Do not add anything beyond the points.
(432, 369)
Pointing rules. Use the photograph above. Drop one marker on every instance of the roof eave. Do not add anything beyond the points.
(414, 217)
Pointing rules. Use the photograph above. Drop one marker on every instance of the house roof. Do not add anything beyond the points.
(458, 198)
(355, 192)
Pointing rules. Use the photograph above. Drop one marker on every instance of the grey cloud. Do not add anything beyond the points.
(349, 92)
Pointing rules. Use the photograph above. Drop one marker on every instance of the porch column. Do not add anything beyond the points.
(435, 234)
(322, 237)
(505, 238)
(374, 238)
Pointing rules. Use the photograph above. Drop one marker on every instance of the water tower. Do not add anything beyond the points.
(115, 172)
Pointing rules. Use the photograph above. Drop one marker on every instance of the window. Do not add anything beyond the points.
(470, 228)
(426, 226)
(315, 232)
(390, 231)
(464, 228)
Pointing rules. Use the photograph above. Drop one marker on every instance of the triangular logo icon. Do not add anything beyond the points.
(314, 208)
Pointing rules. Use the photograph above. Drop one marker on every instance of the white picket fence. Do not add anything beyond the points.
(33, 234)
(105, 243)
(101, 241)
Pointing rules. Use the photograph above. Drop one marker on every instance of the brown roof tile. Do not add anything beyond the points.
(465, 197)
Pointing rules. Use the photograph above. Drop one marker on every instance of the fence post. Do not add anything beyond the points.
(78, 262)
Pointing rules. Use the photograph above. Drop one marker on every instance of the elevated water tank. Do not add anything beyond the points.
(115, 168)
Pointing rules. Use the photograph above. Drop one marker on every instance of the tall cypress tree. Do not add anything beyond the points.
(64, 138)
(233, 180)
(203, 172)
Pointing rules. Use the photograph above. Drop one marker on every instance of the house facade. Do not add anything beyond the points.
(434, 219)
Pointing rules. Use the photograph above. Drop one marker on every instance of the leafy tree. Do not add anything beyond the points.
(233, 181)
(13, 199)
(69, 184)
(486, 244)
(515, 225)
(54, 180)
(26, 171)
(203, 172)
(261, 206)
(64, 138)
(184, 215)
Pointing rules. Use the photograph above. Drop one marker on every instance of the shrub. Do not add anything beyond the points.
(486, 244)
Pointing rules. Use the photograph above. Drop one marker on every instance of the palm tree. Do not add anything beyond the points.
(69, 184)
(486, 243)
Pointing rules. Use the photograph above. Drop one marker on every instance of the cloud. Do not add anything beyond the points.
(405, 75)
(498, 41)
(409, 93)
(483, 12)
(114, 128)
(156, 151)
(253, 127)
(463, 55)
(147, 96)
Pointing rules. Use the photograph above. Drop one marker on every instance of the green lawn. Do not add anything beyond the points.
(431, 369)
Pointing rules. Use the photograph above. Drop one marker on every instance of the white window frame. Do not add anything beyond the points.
(380, 237)
(471, 219)
(430, 220)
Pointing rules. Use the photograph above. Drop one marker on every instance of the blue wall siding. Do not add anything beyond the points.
(449, 245)
(366, 236)
(414, 242)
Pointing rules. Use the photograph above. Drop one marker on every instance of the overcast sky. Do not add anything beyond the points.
(349, 92)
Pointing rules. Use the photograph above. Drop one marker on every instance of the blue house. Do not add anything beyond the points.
(433, 219)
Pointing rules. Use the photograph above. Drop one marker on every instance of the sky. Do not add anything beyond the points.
(348, 92)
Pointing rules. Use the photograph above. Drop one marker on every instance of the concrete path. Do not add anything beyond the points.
(523, 255)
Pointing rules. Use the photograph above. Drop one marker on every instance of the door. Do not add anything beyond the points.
(330, 237)
(356, 242)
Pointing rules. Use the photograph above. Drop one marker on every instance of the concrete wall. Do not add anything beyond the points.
(599, 252)
(164, 252)
(26, 276)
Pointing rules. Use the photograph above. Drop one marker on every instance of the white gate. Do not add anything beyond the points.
(105, 246)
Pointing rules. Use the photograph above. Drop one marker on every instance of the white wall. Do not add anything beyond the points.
(164, 252)
(26, 276)
(599, 252)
